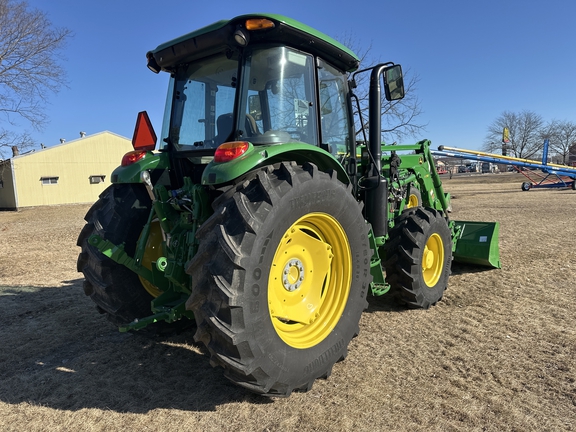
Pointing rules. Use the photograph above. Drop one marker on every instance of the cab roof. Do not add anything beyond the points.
(219, 37)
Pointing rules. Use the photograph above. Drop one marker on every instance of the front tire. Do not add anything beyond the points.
(280, 278)
(418, 257)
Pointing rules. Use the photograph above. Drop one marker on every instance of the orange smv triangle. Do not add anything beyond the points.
(144, 136)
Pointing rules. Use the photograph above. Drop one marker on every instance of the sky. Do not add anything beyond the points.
(474, 59)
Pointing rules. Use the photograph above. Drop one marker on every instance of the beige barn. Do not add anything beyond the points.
(72, 172)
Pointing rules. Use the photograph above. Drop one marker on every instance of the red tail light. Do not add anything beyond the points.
(133, 156)
(230, 150)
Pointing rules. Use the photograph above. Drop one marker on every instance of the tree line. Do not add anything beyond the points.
(527, 132)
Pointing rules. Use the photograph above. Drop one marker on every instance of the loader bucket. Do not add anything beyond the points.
(477, 243)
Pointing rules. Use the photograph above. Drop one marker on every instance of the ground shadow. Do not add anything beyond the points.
(462, 268)
(59, 352)
(384, 303)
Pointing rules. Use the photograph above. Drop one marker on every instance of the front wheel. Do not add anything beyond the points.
(280, 278)
(418, 257)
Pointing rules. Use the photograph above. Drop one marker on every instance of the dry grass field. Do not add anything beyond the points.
(497, 354)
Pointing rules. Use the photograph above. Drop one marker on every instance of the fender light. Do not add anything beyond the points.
(133, 156)
(259, 24)
(230, 150)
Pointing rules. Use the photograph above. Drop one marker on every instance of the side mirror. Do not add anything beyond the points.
(325, 102)
(394, 83)
(301, 108)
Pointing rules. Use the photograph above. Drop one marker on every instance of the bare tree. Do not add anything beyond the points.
(399, 118)
(30, 51)
(14, 143)
(562, 136)
(525, 130)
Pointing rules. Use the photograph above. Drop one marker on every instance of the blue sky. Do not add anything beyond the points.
(474, 59)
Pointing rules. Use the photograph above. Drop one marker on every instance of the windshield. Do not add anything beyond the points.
(276, 100)
(280, 96)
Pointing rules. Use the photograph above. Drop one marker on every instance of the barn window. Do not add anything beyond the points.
(49, 180)
(95, 179)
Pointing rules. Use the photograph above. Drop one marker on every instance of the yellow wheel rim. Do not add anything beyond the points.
(309, 280)
(412, 201)
(433, 260)
(152, 252)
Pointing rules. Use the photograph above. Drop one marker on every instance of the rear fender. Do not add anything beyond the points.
(156, 163)
(258, 156)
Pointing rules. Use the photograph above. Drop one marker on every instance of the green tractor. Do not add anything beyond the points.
(260, 216)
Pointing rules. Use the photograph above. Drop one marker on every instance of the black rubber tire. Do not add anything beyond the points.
(230, 274)
(574, 184)
(118, 216)
(405, 253)
(526, 186)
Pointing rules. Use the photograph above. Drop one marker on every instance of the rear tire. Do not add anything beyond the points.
(418, 257)
(118, 216)
(280, 278)
(526, 186)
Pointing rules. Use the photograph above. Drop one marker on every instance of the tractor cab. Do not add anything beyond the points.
(263, 80)
(254, 79)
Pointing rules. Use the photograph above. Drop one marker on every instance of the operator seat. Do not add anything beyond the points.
(224, 128)
(251, 126)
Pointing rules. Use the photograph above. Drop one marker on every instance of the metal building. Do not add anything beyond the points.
(71, 172)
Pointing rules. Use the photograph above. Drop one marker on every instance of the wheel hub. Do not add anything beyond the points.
(428, 258)
(433, 260)
(293, 275)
